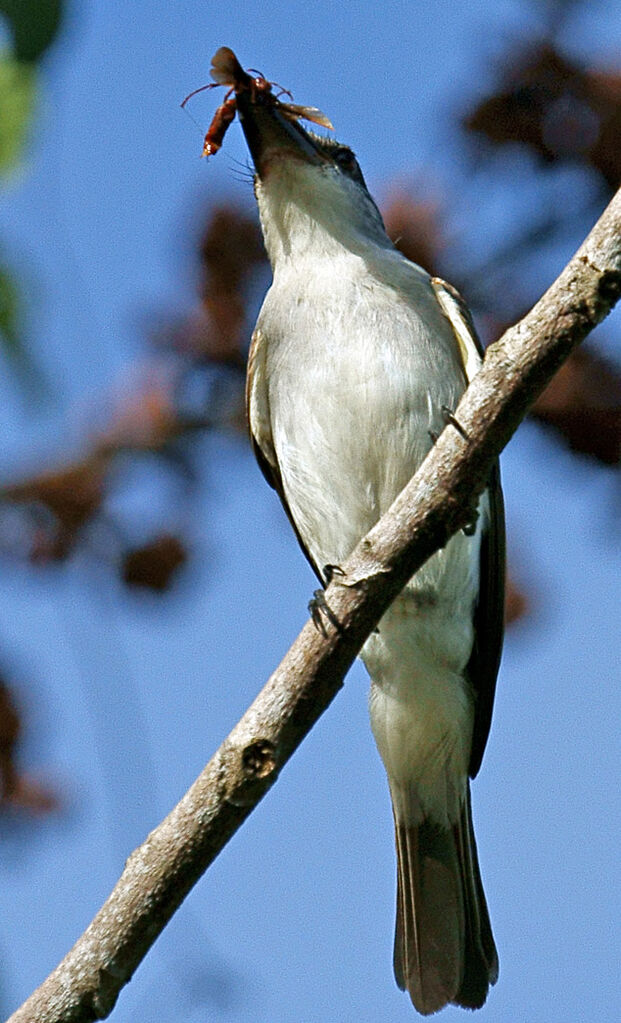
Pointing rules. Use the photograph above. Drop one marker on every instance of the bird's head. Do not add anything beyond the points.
(310, 189)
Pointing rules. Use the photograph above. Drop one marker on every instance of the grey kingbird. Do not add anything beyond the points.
(356, 353)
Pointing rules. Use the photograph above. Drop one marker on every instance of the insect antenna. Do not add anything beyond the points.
(193, 120)
(202, 88)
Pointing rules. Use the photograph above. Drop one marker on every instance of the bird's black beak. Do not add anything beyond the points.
(270, 134)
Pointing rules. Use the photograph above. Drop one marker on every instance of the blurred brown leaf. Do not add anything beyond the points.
(583, 403)
(154, 564)
(144, 420)
(73, 496)
(516, 603)
(10, 727)
(18, 791)
(557, 108)
(217, 331)
(604, 91)
(414, 226)
(224, 315)
(230, 248)
(31, 795)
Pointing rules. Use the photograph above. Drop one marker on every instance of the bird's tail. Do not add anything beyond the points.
(444, 948)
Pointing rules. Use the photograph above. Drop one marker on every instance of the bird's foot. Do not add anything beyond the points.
(319, 608)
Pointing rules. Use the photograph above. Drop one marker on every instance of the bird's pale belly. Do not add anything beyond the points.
(343, 463)
(421, 705)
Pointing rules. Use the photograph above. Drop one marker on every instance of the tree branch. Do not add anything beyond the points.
(435, 504)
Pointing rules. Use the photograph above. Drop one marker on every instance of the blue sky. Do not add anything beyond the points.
(294, 921)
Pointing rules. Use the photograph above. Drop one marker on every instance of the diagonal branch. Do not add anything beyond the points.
(436, 503)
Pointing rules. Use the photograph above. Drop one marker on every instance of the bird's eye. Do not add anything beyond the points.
(345, 159)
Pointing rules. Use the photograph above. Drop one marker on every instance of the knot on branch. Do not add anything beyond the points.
(247, 770)
(104, 997)
(609, 286)
(259, 759)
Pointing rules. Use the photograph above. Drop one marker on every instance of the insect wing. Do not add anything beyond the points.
(225, 67)
(308, 113)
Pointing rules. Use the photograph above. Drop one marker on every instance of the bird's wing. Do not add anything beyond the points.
(489, 615)
(484, 662)
(460, 319)
(258, 413)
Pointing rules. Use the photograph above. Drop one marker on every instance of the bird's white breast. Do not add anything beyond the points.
(356, 371)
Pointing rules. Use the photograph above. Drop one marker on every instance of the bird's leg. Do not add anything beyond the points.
(451, 419)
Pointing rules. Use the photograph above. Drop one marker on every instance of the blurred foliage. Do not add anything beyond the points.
(416, 228)
(9, 313)
(12, 341)
(230, 250)
(18, 792)
(560, 110)
(33, 23)
(17, 99)
(163, 414)
(153, 565)
(62, 502)
(583, 404)
(564, 112)
(33, 26)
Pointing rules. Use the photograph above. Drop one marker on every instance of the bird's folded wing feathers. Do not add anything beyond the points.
(257, 410)
(484, 662)
(460, 319)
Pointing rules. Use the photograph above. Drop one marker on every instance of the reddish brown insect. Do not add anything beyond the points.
(224, 115)
(226, 70)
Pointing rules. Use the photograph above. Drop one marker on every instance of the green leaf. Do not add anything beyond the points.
(9, 315)
(34, 24)
(18, 87)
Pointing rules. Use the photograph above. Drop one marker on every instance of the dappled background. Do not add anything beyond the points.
(150, 581)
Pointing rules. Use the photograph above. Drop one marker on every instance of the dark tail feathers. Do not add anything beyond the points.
(444, 948)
